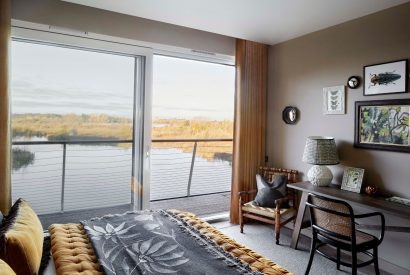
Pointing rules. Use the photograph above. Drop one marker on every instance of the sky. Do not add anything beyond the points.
(187, 89)
(49, 79)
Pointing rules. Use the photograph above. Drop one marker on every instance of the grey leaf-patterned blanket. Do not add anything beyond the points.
(148, 242)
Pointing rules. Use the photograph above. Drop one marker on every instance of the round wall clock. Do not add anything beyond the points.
(353, 82)
(290, 115)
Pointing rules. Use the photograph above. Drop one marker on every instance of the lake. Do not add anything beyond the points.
(100, 176)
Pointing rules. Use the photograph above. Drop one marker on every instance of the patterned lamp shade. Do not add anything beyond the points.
(320, 151)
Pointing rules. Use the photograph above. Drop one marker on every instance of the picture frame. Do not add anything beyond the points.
(290, 115)
(383, 125)
(352, 179)
(385, 78)
(334, 100)
(353, 82)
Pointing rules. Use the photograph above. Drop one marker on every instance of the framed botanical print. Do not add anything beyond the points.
(383, 125)
(334, 100)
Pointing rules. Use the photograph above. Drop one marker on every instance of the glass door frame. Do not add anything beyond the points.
(140, 184)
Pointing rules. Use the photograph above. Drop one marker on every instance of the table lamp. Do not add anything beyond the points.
(320, 151)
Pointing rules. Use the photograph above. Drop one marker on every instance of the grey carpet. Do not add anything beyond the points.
(260, 238)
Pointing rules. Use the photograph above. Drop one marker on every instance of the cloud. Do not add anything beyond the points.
(188, 109)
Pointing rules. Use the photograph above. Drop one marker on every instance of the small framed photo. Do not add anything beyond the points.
(334, 100)
(385, 78)
(352, 179)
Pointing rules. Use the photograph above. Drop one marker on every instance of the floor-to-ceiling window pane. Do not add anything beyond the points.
(193, 109)
(72, 120)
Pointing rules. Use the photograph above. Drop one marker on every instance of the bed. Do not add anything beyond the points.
(141, 242)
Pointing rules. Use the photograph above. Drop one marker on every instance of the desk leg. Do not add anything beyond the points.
(299, 220)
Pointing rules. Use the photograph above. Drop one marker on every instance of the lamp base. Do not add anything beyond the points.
(320, 175)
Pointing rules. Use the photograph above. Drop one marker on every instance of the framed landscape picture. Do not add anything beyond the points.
(334, 100)
(385, 78)
(352, 179)
(383, 125)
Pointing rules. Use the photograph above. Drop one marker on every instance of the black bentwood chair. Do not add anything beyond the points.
(333, 223)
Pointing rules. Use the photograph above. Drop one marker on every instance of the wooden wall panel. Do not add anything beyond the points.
(5, 188)
(250, 111)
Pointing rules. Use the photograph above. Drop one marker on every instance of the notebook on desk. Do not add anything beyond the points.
(399, 200)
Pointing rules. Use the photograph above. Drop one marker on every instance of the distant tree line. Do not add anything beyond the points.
(104, 127)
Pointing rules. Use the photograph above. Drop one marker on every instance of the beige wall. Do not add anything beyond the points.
(298, 71)
(68, 15)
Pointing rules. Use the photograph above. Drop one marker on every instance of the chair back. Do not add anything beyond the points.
(333, 217)
(270, 173)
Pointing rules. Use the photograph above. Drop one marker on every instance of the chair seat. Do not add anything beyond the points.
(265, 211)
(362, 239)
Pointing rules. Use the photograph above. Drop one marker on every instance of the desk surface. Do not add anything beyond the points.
(375, 202)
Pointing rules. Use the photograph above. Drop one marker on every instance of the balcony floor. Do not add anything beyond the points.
(204, 205)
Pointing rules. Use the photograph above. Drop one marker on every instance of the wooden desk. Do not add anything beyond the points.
(334, 192)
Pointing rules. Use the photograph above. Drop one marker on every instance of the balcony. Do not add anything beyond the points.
(67, 181)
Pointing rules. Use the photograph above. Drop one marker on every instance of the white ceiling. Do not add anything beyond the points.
(265, 21)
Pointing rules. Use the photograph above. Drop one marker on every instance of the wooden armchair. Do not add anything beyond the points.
(285, 210)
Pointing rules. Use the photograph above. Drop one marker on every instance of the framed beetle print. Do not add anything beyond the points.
(385, 78)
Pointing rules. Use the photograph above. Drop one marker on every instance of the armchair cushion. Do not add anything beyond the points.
(268, 193)
(266, 211)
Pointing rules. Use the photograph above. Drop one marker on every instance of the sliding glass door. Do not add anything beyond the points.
(77, 120)
(192, 130)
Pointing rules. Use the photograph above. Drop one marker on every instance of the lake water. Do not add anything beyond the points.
(100, 176)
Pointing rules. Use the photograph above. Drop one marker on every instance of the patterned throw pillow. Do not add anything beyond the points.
(21, 239)
(268, 193)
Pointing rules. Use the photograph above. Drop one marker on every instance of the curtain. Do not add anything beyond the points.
(5, 178)
(249, 125)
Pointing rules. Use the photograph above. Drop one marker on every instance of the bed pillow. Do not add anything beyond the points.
(21, 239)
(268, 193)
(5, 269)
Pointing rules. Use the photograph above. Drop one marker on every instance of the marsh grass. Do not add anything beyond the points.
(104, 127)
